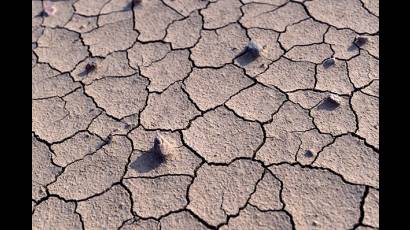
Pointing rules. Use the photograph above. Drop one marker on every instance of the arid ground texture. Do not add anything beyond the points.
(205, 114)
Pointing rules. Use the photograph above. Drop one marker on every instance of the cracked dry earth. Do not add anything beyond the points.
(284, 141)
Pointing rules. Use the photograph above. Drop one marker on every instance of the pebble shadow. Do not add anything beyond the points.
(148, 161)
(328, 104)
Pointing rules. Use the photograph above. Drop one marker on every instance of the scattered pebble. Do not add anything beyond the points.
(90, 67)
(328, 63)
(308, 153)
(360, 41)
(162, 147)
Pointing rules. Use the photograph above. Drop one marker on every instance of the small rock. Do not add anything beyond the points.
(328, 63)
(308, 153)
(360, 41)
(90, 67)
(162, 147)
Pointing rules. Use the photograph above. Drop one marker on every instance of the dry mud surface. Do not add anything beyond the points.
(286, 140)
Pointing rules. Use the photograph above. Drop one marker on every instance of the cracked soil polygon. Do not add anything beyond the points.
(144, 54)
(337, 121)
(341, 41)
(257, 102)
(312, 143)
(218, 47)
(186, 7)
(43, 171)
(181, 221)
(307, 99)
(363, 69)
(46, 82)
(334, 78)
(290, 117)
(56, 214)
(57, 118)
(335, 13)
(81, 24)
(119, 96)
(221, 13)
(267, 193)
(303, 33)
(271, 51)
(106, 211)
(351, 158)
(210, 87)
(63, 14)
(365, 228)
(219, 191)
(114, 64)
(185, 33)
(372, 45)
(175, 66)
(315, 53)
(114, 17)
(220, 136)
(110, 37)
(75, 148)
(372, 6)
(116, 6)
(272, 17)
(152, 18)
(104, 125)
(250, 218)
(372, 89)
(367, 109)
(169, 110)
(270, 2)
(309, 193)
(61, 48)
(282, 142)
(278, 149)
(148, 224)
(95, 173)
(371, 208)
(288, 75)
(155, 197)
(89, 7)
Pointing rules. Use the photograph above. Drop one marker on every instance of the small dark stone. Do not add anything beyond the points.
(328, 63)
(127, 126)
(360, 41)
(90, 67)
(308, 153)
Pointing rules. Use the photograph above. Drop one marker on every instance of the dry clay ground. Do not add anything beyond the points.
(281, 142)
